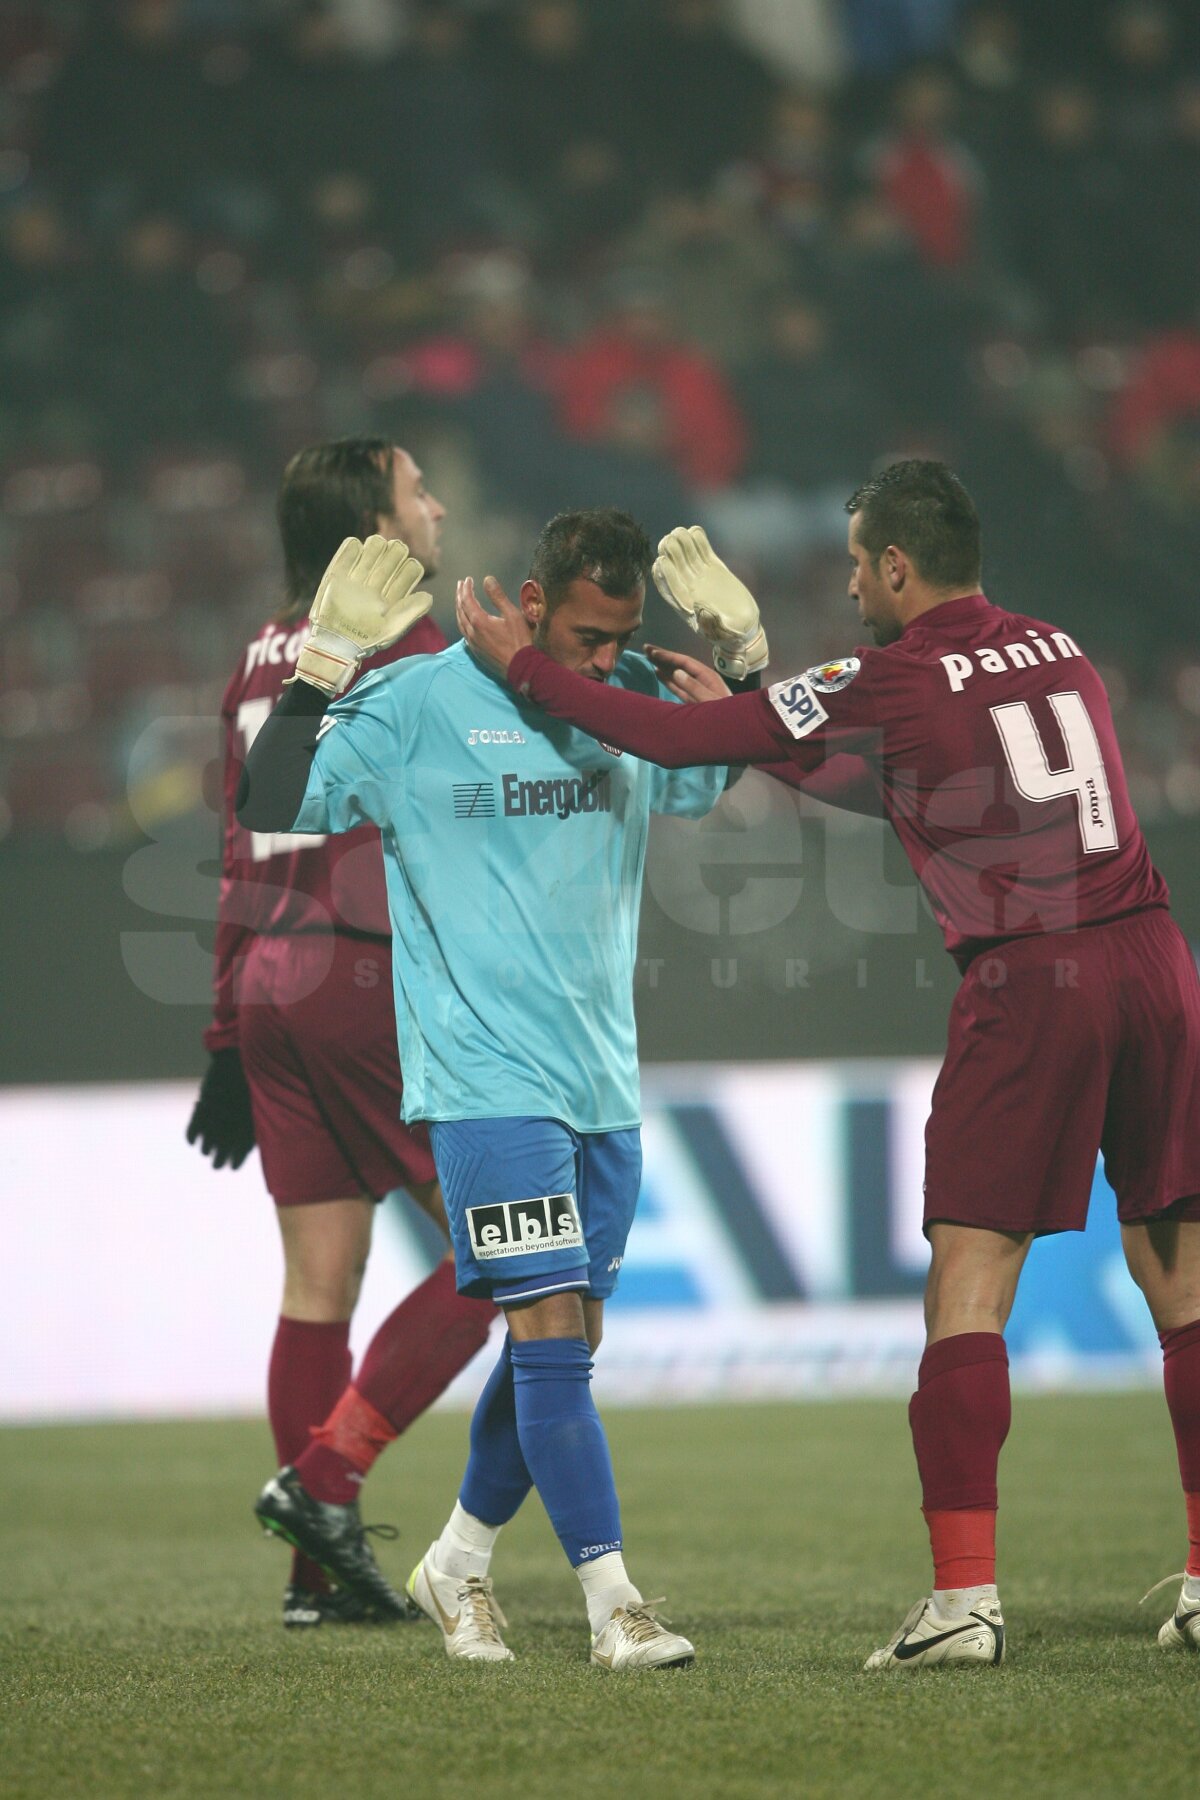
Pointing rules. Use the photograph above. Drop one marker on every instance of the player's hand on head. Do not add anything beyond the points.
(222, 1119)
(691, 680)
(367, 598)
(691, 577)
(495, 637)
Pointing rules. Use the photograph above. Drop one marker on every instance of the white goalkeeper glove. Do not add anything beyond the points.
(366, 601)
(691, 577)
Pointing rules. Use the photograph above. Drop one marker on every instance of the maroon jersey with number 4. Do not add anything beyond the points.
(990, 737)
(277, 884)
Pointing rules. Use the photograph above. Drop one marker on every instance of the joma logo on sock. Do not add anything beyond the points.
(514, 1227)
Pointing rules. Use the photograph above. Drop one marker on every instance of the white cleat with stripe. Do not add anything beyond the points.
(925, 1639)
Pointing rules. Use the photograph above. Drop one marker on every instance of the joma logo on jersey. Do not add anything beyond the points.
(797, 705)
(515, 1227)
(494, 737)
(588, 793)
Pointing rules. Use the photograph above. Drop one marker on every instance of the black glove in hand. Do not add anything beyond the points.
(221, 1117)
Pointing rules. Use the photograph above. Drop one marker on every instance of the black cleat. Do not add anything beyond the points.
(303, 1610)
(334, 1537)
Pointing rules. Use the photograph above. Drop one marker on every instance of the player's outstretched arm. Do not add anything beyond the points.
(844, 781)
(691, 577)
(737, 730)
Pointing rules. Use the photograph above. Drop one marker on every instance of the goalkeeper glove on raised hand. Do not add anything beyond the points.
(366, 601)
(221, 1117)
(691, 577)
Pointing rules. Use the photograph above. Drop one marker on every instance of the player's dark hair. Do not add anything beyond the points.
(924, 509)
(329, 492)
(607, 546)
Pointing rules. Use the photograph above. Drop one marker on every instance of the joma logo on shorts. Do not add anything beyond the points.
(589, 793)
(515, 1227)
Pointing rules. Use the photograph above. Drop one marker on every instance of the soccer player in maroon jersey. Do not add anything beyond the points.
(990, 742)
(304, 1061)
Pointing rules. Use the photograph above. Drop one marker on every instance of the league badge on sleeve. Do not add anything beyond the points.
(832, 677)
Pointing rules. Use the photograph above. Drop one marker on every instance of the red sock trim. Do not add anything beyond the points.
(963, 1542)
(961, 1352)
(355, 1430)
(343, 1449)
(1179, 1338)
(413, 1357)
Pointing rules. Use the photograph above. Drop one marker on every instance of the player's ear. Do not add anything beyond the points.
(895, 565)
(533, 602)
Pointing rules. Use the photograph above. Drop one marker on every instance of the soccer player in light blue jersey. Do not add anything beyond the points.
(514, 848)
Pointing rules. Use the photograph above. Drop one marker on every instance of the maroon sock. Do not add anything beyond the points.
(959, 1417)
(413, 1357)
(1181, 1379)
(309, 1368)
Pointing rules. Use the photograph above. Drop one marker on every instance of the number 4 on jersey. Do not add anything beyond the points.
(1083, 778)
(252, 715)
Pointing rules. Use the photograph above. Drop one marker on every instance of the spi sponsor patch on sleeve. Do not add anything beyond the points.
(515, 1227)
(797, 705)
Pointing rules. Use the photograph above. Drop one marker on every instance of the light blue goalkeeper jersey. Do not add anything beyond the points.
(513, 846)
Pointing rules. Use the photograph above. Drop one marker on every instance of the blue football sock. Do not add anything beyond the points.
(565, 1448)
(496, 1481)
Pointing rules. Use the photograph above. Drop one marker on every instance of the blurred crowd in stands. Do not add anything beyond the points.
(708, 261)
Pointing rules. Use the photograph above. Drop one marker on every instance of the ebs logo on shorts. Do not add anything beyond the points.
(514, 1227)
(524, 799)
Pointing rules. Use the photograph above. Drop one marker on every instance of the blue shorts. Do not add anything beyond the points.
(534, 1207)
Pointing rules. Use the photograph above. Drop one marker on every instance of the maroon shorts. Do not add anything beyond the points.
(317, 1028)
(1060, 1046)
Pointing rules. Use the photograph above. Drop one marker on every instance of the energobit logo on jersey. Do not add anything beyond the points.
(587, 793)
(516, 1227)
(524, 799)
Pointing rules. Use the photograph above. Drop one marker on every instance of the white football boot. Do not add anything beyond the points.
(926, 1638)
(635, 1639)
(464, 1609)
(1182, 1629)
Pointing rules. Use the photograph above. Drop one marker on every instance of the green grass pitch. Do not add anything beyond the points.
(141, 1654)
